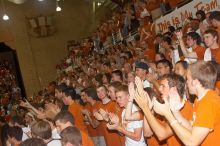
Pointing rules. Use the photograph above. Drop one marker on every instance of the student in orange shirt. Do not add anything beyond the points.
(65, 119)
(172, 88)
(193, 41)
(212, 52)
(74, 108)
(107, 106)
(94, 128)
(205, 131)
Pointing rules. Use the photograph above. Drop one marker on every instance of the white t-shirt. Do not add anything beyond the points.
(25, 131)
(208, 55)
(130, 127)
(54, 142)
(55, 134)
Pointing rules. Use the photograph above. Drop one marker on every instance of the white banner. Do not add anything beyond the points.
(179, 15)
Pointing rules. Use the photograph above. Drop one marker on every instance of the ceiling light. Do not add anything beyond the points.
(99, 4)
(5, 17)
(58, 8)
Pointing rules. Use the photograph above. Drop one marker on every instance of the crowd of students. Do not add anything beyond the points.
(158, 89)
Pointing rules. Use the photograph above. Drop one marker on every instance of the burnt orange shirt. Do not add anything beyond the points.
(75, 109)
(187, 112)
(206, 113)
(86, 140)
(216, 55)
(217, 86)
(200, 51)
(112, 138)
(93, 132)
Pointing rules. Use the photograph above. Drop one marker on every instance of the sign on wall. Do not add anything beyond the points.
(178, 16)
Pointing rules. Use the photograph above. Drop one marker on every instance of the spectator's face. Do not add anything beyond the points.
(131, 77)
(162, 69)
(180, 70)
(116, 78)
(164, 88)
(214, 23)
(27, 119)
(127, 67)
(209, 39)
(111, 93)
(122, 98)
(104, 79)
(140, 73)
(101, 92)
(61, 126)
(83, 97)
(190, 42)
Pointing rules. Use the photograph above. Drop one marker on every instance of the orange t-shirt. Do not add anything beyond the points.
(75, 110)
(86, 140)
(112, 138)
(206, 113)
(93, 132)
(200, 51)
(216, 55)
(217, 86)
(187, 113)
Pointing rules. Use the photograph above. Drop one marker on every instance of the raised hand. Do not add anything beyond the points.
(97, 115)
(161, 109)
(113, 118)
(141, 101)
(131, 91)
(104, 114)
(85, 112)
(179, 34)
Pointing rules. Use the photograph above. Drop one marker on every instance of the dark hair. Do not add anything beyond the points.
(42, 130)
(195, 36)
(71, 135)
(168, 40)
(183, 63)
(91, 92)
(108, 64)
(177, 81)
(202, 13)
(108, 76)
(17, 120)
(15, 132)
(165, 62)
(61, 87)
(33, 142)
(215, 15)
(70, 92)
(115, 84)
(205, 73)
(98, 78)
(118, 73)
(64, 117)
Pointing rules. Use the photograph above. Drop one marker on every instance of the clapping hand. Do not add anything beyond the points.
(175, 100)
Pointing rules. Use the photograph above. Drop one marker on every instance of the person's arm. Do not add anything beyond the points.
(192, 137)
(183, 47)
(165, 131)
(129, 116)
(147, 130)
(183, 121)
(93, 122)
(136, 135)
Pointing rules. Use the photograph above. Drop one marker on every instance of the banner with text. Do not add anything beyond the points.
(178, 16)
